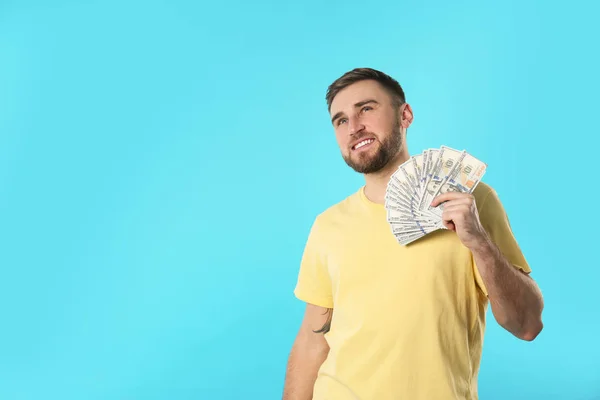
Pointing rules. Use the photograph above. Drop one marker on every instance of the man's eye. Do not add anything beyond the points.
(366, 108)
(341, 120)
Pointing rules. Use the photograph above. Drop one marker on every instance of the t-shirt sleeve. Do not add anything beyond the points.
(314, 283)
(494, 219)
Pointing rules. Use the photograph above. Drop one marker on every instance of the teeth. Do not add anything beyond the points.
(364, 142)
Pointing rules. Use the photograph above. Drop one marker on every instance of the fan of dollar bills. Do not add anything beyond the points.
(415, 184)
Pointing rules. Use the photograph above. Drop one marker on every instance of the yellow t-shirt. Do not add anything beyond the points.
(408, 321)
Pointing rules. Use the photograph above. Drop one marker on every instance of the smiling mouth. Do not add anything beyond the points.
(362, 144)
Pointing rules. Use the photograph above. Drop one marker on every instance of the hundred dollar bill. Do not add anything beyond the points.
(423, 172)
(404, 180)
(395, 193)
(401, 189)
(417, 162)
(467, 176)
(400, 216)
(408, 238)
(445, 163)
(406, 231)
(412, 170)
(413, 226)
(410, 230)
(401, 210)
(408, 174)
(462, 179)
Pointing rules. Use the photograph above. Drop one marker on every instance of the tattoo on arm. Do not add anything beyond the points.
(327, 326)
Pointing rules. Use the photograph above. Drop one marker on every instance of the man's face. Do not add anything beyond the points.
(367, 126)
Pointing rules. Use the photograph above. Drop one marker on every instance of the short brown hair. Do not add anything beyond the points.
(361, 74)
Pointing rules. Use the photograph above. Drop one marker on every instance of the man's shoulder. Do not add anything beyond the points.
(341, 209)
(488, 202)
(481, 192)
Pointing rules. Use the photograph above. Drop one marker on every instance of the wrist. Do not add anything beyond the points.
(482, 245)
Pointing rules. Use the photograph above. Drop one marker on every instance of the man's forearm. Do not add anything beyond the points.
(301, 374)
(515, 299)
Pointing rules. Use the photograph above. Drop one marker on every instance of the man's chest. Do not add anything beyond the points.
(367, 266)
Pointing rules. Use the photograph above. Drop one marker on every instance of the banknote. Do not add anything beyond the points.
(445, 163)
(464, 180)
(420, 179)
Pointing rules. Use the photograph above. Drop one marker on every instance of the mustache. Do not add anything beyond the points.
(364, 136)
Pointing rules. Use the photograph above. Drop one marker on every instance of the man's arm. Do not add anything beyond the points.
(308, 353)
(515, 298)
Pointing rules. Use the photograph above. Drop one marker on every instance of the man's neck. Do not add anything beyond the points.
(376, 184)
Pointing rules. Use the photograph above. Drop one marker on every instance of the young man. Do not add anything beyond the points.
(386, 321)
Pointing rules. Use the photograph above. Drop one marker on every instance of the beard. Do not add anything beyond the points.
(366, 163)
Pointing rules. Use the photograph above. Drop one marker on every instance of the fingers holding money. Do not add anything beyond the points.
(450, 198)
(454, 215)
(461, 216)
(450, 203)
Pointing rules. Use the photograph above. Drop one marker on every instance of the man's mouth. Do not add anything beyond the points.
(362, 144)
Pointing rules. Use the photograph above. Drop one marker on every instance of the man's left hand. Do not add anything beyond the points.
(460, 215)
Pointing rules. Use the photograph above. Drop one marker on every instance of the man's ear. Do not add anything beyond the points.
(406, 115)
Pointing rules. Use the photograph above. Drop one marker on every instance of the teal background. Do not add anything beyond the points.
(161, 164)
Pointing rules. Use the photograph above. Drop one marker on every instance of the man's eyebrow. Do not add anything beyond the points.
(336, 116)
(356, 105)
(362, 103)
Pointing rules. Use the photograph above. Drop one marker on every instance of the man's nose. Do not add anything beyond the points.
(355, 126)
